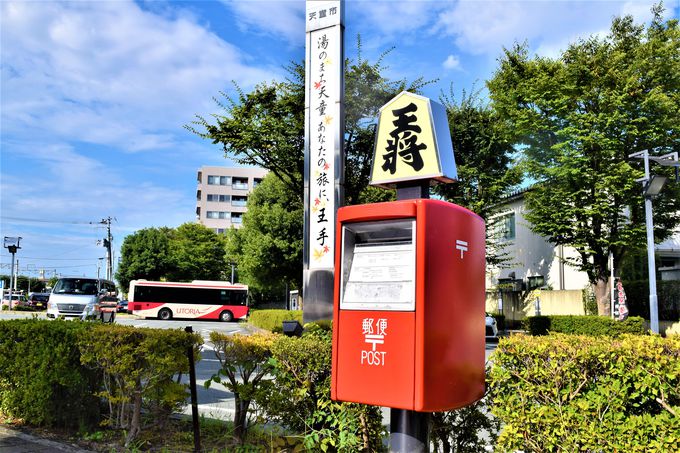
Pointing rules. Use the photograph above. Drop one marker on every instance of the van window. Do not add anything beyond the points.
(85, 286)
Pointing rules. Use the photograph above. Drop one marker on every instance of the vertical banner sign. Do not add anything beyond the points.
(324, 128)
(324, 60)
(620, 306)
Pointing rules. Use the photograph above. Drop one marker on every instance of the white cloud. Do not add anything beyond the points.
(397, 19)
(485, 27)
(284, 19)
(66, 189)
(111, 73)
(452, 62)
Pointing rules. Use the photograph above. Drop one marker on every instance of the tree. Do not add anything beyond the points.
(577, 118)
(144, 254)
(188, 252)
(196, 253)
(484, 161)
(268, 247)
(266, 127)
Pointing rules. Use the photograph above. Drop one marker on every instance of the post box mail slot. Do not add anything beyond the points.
(408, 327)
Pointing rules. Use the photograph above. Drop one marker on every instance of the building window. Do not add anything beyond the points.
(219, 230)
(236, 217)
(218, 198)
(256, 182)
(217, 214)
(219, 180)
(237, 200)
(503, 226)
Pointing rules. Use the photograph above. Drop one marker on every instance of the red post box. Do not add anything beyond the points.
(408, 327)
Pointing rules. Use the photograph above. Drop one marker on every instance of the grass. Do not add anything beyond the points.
(175, 437)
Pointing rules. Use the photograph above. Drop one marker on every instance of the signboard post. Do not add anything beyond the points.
(324, 153)
(408, 321)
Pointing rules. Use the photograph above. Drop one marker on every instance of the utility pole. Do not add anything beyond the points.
(107, 244)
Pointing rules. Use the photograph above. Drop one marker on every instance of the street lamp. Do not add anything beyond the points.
(12, 245)
(232, 264)
(651, 186)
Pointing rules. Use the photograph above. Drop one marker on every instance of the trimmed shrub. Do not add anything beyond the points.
(324, 325)
(299, 398)
(41, 378)
(140, 369)
(500, 321)
(668, 293)
(583, 325)
(587, 393)
(244, 362)
(468, 429)
(272, 320)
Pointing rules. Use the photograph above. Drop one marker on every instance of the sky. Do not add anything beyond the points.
(94, 95)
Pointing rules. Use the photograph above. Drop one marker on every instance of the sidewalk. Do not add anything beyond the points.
(12, 441)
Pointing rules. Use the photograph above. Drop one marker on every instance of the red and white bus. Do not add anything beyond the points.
(198, 299)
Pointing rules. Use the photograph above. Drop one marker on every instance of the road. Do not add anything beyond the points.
(216, 401)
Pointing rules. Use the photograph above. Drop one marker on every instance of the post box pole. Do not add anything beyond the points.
(410, 430)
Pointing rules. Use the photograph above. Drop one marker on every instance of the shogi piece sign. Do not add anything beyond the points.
(413, 142)
(408, 327)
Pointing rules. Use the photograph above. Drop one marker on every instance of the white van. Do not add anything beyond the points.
(80, 297)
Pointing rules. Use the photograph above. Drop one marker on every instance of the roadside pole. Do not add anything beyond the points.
(12, 245)
(194, 396)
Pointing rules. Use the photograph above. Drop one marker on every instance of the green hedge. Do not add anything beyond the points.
(668, 293)
(587, 393)
(41, 378)
(583, 325)
(500, 321)
(272, 320)
(58, 373)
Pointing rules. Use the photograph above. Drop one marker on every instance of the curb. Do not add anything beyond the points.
(46, 445)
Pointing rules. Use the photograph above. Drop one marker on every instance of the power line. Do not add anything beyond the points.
(61, 222)
(56, 259)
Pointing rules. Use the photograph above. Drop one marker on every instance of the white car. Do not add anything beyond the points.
(491, 326)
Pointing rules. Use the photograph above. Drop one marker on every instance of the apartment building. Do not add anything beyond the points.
(222, 194)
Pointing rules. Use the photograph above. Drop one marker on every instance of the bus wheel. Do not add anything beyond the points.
(165, 314)
(226, 316)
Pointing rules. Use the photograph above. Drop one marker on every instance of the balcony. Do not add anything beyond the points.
(239, 201)
(239, 183)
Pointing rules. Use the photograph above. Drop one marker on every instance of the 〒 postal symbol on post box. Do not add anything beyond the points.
(462, 246)
(374, 333)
